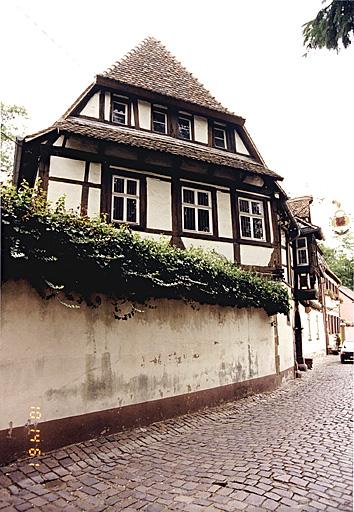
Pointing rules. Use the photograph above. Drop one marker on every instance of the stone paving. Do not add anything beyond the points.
(289, 450)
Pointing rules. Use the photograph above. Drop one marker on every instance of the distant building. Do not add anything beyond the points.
(346, 297)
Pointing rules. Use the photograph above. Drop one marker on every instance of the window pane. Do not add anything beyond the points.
(219, 138)
(246, 226)
(131, 210)
(159, 122)
(302, 256)
(203, 220)
(203, 198)
(184, 128)
(118, 208)
(301, 242)
(258, 228)
(188, 196)
(189, 218)
(118, 185)
(131, 188)
(244, 206)
(256, 208)
(119, 113)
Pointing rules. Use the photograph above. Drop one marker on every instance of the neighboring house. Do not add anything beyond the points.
(147, 145)
(315, 288)
(309, 326)
(346, 298)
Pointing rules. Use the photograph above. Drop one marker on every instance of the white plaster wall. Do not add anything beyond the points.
(254, 255)
(144, 109)
(256, 181)
(159, 212)
(286, 339)
(75, 361)
(270, 217)
(72, 194)
(95, 173)
(132, 118)
(91, 108)
(154, 236)
(107, 106)
(59, 141)
(225, 249)
(60, 167)
(224, 214)
(240, 147)
(313, 333)
(94, 202)
(201, 129)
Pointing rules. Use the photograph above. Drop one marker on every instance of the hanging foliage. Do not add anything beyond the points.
(76, 259)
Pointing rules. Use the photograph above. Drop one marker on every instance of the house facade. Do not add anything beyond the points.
(148, 146)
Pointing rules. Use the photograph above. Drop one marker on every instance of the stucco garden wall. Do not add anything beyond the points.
(76, 362)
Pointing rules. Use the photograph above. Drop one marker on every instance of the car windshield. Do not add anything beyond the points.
(348, 344)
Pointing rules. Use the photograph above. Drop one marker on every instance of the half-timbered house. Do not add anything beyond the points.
(147, 145)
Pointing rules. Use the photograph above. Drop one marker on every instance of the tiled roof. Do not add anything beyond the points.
(162, 143)
(151, 66)
(300, 206)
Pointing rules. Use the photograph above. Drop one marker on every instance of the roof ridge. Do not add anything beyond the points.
(191, 90)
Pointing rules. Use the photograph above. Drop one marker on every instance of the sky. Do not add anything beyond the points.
(249, 55)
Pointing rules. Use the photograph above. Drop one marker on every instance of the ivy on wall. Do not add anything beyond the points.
(76, 259)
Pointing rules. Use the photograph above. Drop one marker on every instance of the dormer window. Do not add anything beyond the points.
(184, 127)
(159, 120)
(220, 136)
(302, 252)
(119, 111)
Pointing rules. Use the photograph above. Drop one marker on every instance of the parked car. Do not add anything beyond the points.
(347, 351)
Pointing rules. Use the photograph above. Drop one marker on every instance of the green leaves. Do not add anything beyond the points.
(334, 24)
(45, 244)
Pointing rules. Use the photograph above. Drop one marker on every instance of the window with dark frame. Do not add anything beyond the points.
(159, 120)
(301, 251)
(184, 127)
(251, 214)
(196, 210)
(220, 136)
(119, 111)
(125, 200)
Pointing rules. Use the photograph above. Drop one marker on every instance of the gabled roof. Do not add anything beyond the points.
(156, 142)
(300, 207)
(151, 66)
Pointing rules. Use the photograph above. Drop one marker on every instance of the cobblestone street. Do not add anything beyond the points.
(286, 450)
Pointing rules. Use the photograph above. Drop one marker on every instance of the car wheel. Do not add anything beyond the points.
(342, 360)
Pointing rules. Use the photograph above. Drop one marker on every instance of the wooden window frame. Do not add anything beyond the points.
(160, 110)
(196, 207)
(189, 118)
(262, 217)
(220, 126)
(298, 249)
(178, 210)
(124, 101)
(107, 196)
(125, 196)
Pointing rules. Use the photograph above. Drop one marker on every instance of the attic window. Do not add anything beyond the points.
(220, 136)
(184, 127)
(119, 112)
(159, 120)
